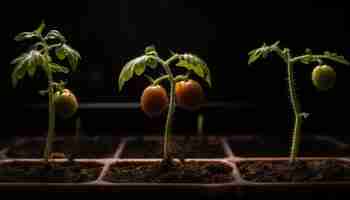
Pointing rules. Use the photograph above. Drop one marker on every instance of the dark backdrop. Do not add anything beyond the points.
(109, 33)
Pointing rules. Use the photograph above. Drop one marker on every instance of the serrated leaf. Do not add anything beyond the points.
(58, 68)
(197, 65)
(136, 65)
(25, 35)
(55, 35)
(71, 54)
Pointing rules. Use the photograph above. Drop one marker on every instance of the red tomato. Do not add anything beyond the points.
(154, 100)
(189, 94)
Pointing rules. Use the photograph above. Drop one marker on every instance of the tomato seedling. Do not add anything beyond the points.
(323, 78)
(38, 57)
(154, 99)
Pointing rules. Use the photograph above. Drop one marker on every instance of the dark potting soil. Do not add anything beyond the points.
(86, 148)
(66, 172)
(299, 171)
(180, 148)
(280, 147)
(155, 172)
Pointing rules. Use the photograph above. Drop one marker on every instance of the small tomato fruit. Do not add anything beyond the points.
(323, 77)
(154, 100)
(66, 104)
(189, 94)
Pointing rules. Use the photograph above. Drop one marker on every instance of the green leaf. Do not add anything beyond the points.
(339, 59)
(55, 35)
(40, 29)
(19, 59)
(58, 68)
(254, 56)
(73, 56)
(25, 35)
(18, 72)
(31, 69)
(151, 50)
(60, 53)
(197, 65)
(263, 51)
(139, 68)
(136, 65)
(151, 62)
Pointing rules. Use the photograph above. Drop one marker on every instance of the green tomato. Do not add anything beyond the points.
(66, 104)
(323, 77)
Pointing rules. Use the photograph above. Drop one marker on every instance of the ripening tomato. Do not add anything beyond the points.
(154, 100)
(66, 104)
(323, 77)
(189, 94)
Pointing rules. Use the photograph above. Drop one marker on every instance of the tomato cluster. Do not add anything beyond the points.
(188, 95)
(66, 104)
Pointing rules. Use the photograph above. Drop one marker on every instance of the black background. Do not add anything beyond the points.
(109, 33)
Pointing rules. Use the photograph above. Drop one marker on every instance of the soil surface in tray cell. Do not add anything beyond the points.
(176, 172)
(58, 172)
(280, 147)
(103, 147)
(299, 171)
(180, 148)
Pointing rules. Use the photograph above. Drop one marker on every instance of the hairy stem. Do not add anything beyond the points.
(51, 128)
(76, 139)
(171, 108)
(296, 108)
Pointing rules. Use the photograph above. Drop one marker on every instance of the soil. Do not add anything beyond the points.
(280, 147)
(299, 171)
(86, 148)
(63, 172)
(155, 172)
(192, 148)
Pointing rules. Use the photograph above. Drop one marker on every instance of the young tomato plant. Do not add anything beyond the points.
(323, 78)
(154, 99)
(38, 57)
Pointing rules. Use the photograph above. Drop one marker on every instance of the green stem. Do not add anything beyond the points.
(76, 147)
(320, 57)
(296, 108)
(200, 121)
(51, 128)
(165, 77)
(149, 78)
(171, 109)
